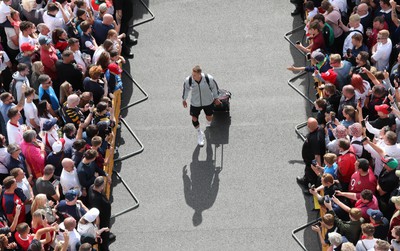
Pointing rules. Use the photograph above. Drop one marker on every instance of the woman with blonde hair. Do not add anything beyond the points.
(40, 202)
(65, 91)
(37, 70)
(32, 12)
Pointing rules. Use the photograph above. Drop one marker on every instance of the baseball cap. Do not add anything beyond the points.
(27, 47)
(375, 214)
(92, 214)
(48, 124)
(71, 195)
(390, 162)
(318, 56)
(329, 76)
(382, 108)
(114, 68)
(44, 40)
(58, 145)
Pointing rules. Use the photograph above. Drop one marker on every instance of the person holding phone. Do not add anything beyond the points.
(43, 184)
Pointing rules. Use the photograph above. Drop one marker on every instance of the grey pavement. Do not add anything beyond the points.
(254, 202)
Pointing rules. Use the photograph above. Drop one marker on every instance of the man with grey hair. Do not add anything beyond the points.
(335, 239)
(71, 113)
(43, 184)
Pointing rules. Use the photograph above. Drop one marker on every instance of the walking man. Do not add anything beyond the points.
(204, 94)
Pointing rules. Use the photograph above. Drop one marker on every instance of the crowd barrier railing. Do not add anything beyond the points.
(298, 127)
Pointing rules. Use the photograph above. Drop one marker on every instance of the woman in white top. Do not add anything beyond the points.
(361, 87)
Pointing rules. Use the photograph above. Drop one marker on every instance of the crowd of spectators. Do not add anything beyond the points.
(352, 149)
(60, 63)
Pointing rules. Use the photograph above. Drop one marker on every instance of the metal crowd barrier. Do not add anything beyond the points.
(301, 125)
(110, 152)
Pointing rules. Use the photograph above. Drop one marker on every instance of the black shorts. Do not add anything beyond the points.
(195, 111)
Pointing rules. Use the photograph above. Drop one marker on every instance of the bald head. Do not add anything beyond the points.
(107, 19)
(70, 223)
(362, 9)
(68, 164)
(312, 124)
(73, 100)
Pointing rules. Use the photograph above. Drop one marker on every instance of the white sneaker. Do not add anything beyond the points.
(200, 138)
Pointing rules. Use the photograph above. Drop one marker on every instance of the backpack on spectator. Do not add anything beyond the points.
(13, 90)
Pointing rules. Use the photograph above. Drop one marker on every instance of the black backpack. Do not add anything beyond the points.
(207, 80)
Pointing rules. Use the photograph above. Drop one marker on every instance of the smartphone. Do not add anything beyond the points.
(56, 183)
(91, 103)
(390, 92)
(314, 162)
(308, 56)
(364, 139)
(327, 199)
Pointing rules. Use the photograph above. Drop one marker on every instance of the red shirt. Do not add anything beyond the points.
(49, 59)
(364, 207)
(358, 183)
(318, 42)
(346, 166)
(23, 243)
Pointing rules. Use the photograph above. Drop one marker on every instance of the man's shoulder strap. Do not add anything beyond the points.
(206, 77)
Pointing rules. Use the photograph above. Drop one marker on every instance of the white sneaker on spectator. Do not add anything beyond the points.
(200, 138)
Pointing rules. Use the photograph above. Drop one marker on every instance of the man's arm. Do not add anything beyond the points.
(21, 101)
(395, 19)
(186, 90)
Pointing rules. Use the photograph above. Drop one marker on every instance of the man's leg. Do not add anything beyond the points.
(209, 114)
(195, 112)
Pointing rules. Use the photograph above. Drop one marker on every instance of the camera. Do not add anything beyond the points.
(314, 162)
(312, 187)
(308, 56)
(327, 199)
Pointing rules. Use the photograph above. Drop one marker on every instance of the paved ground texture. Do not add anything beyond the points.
(254, 202)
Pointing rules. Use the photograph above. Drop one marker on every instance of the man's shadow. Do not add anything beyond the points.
(201, 184)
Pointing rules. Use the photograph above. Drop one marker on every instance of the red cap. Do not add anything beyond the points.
(114, 68)
(27, 47)
(382, 108)
(329, 76)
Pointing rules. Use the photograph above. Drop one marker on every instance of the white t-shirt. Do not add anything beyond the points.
(347, 41)
(4, 12)
(382, 55)
(74, 237)
(53, 22)
(14, 133)
(97, 54)
(369, 244)
(79, 60)
(4, 59)
(3, 156)
(69, 180)
(10, 32)
(340, 4)
(68, 143)
(363, 95)
(31, 112)
(27, 39)
(24, 185)
(89, 229)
